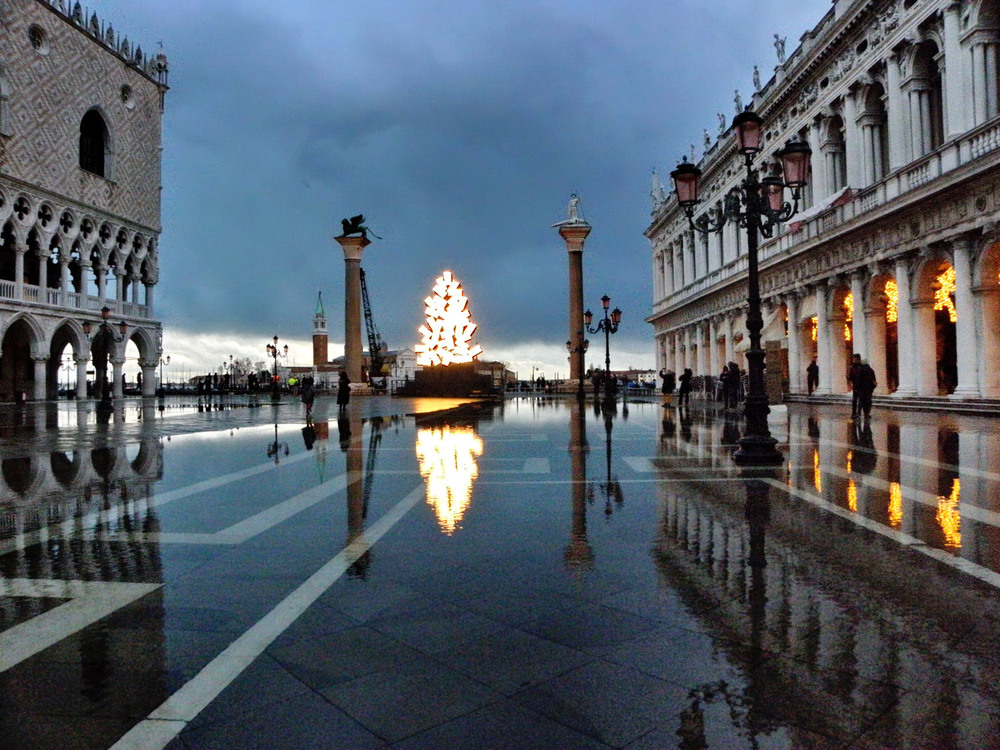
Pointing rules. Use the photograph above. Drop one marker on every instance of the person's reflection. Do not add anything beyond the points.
(731, 429)
(812, 427)
(864, 457)
(578, 554)
(669, 429)
(351, 445)
(684, 413)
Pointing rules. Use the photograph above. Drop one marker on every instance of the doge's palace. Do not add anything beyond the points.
(895, 252)
(81, 108)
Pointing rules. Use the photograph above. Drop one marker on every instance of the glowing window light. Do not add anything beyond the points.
(891, 301)
(949, 518)
(895, 505)
(447, 458)
(815, 326)
(817, 477)
(852, 488)
(849, 315)
(448, 332)
(944, 289)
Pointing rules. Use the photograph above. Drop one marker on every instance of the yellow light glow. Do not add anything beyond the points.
(447, 458)
(817, 478)
(895, 505)
(892, 301)
(852, 496)
(949, 517)
(447, 335)
(815, 326)
(848, 315)
(943, 293)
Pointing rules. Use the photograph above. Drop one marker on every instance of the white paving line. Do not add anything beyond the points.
(536, 466)
(89, 602)
(22, 541)
(959, 563)
(169, 719)
(243, 530)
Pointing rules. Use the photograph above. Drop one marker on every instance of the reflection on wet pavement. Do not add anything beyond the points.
(531, 573)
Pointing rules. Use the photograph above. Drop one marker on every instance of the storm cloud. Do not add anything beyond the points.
(459, 129)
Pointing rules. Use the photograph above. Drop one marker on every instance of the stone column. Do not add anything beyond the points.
(352, 247)
(898, 114)
(875, 329)
(148, 377)
(970, 358)
(713, 346)
(859, 333)
(954, 75)
(81, 377)
(149, 297)
(84, 280)
(688, 360)
(730, 343)
(795, 365)
(41, 372)
(989, 306)
(574, 235)
(119, 286)
(823, 341)
(905, 345)
(64, 279)
(819, 178)
(852, 142)
(101, 272)
(117, 365)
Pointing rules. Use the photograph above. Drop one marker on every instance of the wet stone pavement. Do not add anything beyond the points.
(513, 575)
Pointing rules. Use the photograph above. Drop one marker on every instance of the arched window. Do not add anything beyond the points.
(834, 149)
(873, 123)
(93, 143)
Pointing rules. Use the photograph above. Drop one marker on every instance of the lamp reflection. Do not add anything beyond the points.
(610, 488)
(447, 457)
(578, 554)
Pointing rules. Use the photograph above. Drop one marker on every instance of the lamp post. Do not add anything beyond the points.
(609, 325)
(67, 367)
(162, 363)
(108, 337)
(273, 351)
(758, 205)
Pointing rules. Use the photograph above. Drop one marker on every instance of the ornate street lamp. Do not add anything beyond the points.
(108, 337)
(758, 205)
(273, 351)
(609, 325)
(162, 363)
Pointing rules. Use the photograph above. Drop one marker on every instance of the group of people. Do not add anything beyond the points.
(730, 379)
(862, 380)
(307, 394)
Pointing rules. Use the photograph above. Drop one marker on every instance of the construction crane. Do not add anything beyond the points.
(375, 343)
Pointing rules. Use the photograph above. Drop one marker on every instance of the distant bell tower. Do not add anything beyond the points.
(320, 356)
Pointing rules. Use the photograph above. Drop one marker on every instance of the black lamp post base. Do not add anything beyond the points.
(758, 450)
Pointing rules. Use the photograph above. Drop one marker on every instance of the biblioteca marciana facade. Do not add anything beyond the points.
(895, 251)
(80, 121)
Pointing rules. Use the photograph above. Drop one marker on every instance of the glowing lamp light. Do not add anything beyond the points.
(447, 334)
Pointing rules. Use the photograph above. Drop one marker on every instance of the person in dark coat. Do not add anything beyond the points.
(343, 390)
(308, 396)
(864, 387)
(684, 392)
(852, 375)
(669, 384)
(812, 376)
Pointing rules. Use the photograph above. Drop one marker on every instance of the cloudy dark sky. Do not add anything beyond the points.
(458, 128)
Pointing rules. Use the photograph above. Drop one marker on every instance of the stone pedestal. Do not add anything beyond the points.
(352, 247)
(574, 233)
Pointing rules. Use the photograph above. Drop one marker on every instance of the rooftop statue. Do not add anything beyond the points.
(756, 79)
(779, 47)
(572, 212)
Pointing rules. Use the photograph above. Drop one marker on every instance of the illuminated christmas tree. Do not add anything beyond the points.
(447, 336)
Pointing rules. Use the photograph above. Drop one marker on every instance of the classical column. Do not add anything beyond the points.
(43, 273)
(574, 234)
(149, 295)
(81, 377)
(352, 247)
(148, 376)
(688, 361)
(852, 141)
(84, 279)
(703, 353)
(819, 179)
(730, 343)
(795, 365)
(101, 272)
(859, 333)
(966, 317)
(838, 359)
(119, 286)
(875, 329)
(117, 365)
(898, 114)
(64, 279)
(714, 367)
(905, 345)
(823, 340)
(955, 97)
(41, 372)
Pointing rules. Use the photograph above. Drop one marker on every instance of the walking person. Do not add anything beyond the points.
(812, 376)
(731, 385)
(343, 391)
(852, 375)
(308, 396)
(684, 392)
(669, 384)
(864, 387)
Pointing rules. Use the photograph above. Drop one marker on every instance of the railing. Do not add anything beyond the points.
(74, 300)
